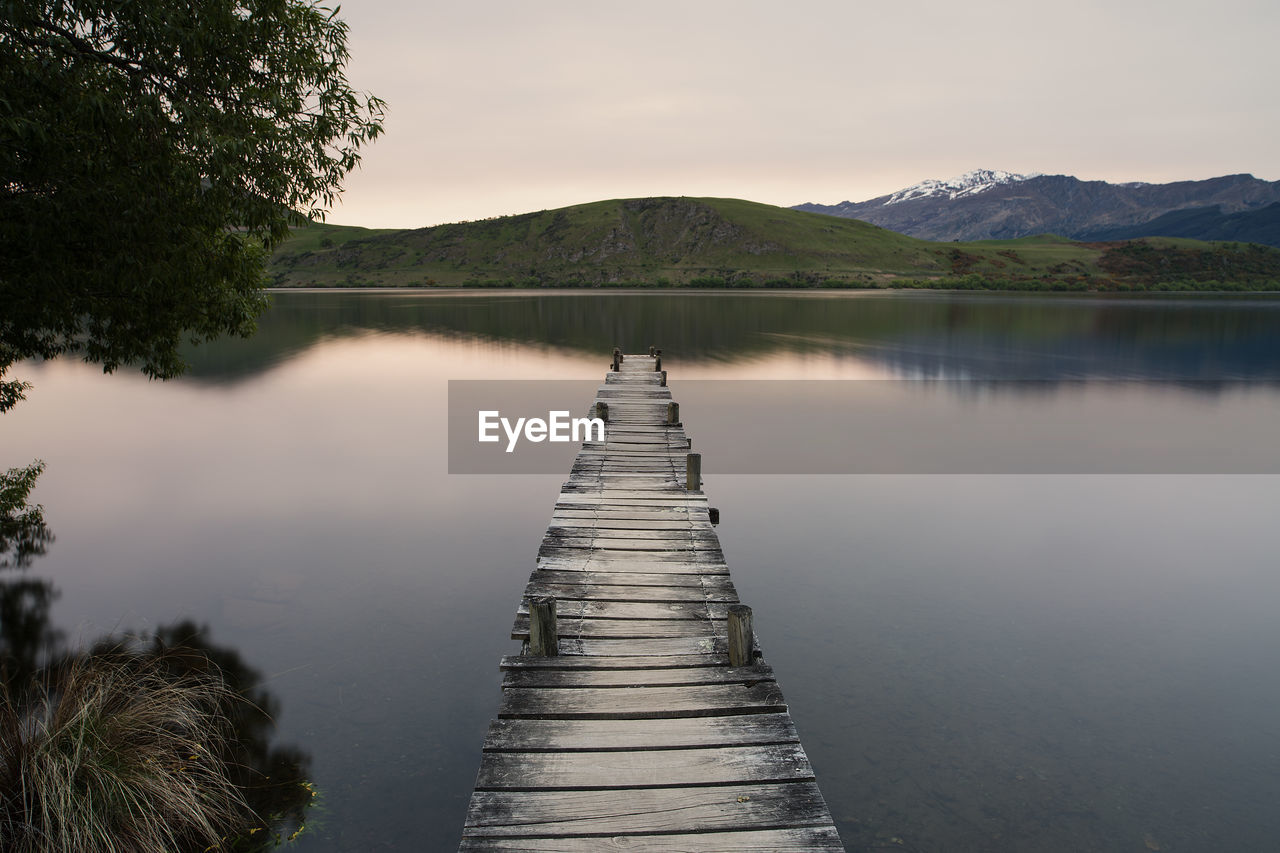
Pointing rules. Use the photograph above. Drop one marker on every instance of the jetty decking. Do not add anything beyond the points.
(639, 734)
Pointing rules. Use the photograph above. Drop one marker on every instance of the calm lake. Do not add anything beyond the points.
(1024, 658)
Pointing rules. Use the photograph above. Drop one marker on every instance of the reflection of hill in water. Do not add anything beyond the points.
(985, 336)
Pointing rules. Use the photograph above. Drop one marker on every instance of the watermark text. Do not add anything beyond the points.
(557, 427)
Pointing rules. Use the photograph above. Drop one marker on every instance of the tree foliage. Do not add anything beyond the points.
(23, 532)
(151, 155)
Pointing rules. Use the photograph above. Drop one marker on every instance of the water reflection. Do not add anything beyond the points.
(910, 335)
(273, 778)
(1013, 663)
(28, 640)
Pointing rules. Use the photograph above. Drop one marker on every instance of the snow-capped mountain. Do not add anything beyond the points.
(988, 204)
(970, 183)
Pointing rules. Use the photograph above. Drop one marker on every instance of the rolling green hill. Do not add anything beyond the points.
(714, 242)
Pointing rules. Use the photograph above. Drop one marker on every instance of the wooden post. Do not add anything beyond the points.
(741, 638)
(715, 515)
(543, 638)
(663, 380)
(693, 472)
(673, 413)
(657, 363)
(617, 358)
(651, 351)
(602, 410)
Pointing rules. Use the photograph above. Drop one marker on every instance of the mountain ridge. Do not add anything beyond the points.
(990, 204)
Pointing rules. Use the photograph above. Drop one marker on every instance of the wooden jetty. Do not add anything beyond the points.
(639, 715)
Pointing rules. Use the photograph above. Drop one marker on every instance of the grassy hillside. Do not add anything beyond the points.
(732, 243)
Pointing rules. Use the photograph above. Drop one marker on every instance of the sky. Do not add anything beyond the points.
(500, 107)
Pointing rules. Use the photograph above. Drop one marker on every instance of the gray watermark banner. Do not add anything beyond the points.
(893, 426)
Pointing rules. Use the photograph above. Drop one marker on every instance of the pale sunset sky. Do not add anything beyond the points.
(506, 107)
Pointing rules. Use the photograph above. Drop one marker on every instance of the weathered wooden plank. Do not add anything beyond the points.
(615, 571)
(686, 545)
(707, 582)
(527, 735)
(648, 488)
(588, 561)
(595, 505)
(638, 557)
(657, 482)
(790, 840)
(578, 662)
(634, 446)
(657, 646)
(666, 451)
(628, 526)
(689, 595)
(783, 762)
(688, 529)
(624, 629)
(628, 474)
(595, 609)
(622, 473)
(640, 399)
(660, 494)
(659, 451)
(639, 703)
(696, 516)
(653, 677)
(551, 814)
(688, 532)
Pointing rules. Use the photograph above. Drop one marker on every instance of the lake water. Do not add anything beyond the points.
(976, 661)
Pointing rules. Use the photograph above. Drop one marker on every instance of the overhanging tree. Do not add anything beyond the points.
(151, 154)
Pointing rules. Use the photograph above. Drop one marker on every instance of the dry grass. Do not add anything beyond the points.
(118, 753)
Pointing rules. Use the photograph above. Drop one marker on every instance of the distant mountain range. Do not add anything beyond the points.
(992, 205)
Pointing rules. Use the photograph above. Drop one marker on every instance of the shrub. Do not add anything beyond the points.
(116, 752)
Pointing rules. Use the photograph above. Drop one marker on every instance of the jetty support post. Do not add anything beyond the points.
(544, 640)
(617, 359)
(657, 362)
(741, 637)
(673, 413)
(602, 410)
(662, 378)
(693, 472)
(714, 515)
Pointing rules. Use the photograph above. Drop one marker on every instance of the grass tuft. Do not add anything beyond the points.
(116, 752)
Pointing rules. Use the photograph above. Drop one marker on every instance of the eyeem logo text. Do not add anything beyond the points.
(557, 427)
